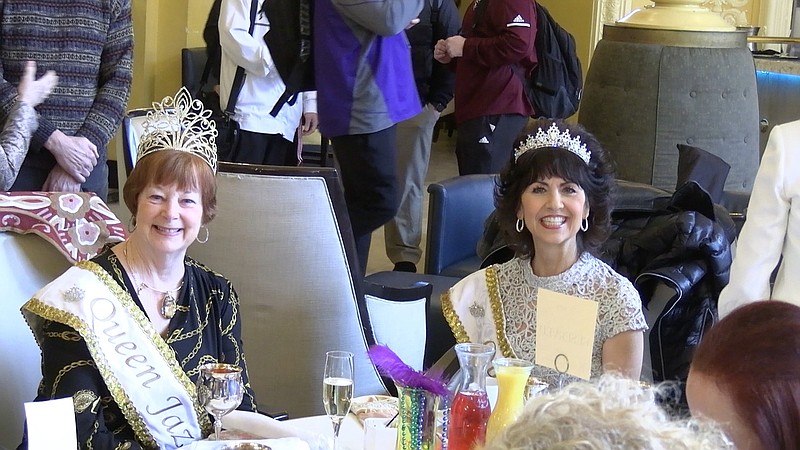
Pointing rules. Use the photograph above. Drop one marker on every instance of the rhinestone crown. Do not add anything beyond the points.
(554, 137)
(180, 123)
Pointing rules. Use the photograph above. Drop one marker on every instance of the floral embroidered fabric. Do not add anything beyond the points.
(619, 305)
(78, 224)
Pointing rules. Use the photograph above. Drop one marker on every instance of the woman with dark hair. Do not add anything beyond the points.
(125, 334)
(745, 375)
(554, 207)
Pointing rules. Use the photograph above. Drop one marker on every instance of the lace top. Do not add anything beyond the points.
(509, 291)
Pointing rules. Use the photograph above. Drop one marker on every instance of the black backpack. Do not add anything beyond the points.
(290, 42)
(555, 85)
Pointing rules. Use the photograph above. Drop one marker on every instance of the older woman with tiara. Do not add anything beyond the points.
(554, 206)
(124, 334)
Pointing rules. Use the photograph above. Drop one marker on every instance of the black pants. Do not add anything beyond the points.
(486, 144)
(267, 149)
(368, 166)
(32, 179)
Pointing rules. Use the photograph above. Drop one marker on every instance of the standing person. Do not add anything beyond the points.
(435, 81)
(770, 236)
(263, 139)
(366, 86)
(92, 42)
(495, 47)
(22, 121)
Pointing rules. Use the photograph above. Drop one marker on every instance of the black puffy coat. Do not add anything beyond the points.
(685, 246)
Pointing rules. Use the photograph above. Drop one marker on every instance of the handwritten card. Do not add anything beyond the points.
(565, 327)
(51, 424)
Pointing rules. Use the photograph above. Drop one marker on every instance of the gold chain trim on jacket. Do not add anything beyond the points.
(452, 319)
(498, 315)
(64, 370)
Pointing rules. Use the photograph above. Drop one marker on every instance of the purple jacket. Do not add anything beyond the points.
(365, 82)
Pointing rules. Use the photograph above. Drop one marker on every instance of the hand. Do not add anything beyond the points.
(32, 91)
(440, 52)
(412, 23)
(58, 180)
(454, 46)
(75, 154)
(310, 123)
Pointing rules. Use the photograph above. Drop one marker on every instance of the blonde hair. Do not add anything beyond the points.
(608, 413)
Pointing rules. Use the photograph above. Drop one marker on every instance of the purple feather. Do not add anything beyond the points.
(390, 365)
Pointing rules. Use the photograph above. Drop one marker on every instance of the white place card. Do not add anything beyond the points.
(565, 327)
(51, 424)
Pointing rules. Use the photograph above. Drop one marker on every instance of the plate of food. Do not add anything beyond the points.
(374, 406)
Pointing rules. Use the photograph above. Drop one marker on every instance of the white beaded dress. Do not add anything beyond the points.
(498, 304)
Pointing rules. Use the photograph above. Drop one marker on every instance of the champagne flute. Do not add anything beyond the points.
(337, 388)
(219, 390)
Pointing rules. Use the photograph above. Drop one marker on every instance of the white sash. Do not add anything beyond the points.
(137, 365)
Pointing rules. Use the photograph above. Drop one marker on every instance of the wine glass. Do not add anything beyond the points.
(219, 391)
(337, 388)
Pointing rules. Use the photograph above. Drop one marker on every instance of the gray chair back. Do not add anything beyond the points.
(283, 237)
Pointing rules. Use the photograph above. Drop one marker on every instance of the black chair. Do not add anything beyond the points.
(131, 130)
(438, 337)
(193, 61)
(396, 316)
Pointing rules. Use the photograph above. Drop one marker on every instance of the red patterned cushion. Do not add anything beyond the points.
(78, 224)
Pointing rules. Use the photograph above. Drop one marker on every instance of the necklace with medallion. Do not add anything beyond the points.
(169, 302)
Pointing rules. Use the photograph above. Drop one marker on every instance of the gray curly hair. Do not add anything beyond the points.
(608, 413)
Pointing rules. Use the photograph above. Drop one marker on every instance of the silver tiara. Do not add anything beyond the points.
(180, 123)
(554, 137)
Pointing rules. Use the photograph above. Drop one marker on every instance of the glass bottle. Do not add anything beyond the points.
(470, 410)
(416, 429)
(512, 379)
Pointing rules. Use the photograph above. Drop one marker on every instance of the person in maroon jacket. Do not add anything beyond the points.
(493, 51)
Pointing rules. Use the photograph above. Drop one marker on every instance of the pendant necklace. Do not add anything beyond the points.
(169, 304)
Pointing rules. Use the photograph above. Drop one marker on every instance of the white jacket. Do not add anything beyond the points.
(263, 85)
(772, 228)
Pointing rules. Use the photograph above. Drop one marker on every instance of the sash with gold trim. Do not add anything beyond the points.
(145, 379)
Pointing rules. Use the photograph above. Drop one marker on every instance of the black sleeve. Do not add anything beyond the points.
(211, 37)
(443, 78)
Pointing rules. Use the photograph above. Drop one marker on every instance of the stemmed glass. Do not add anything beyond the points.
(337, 388)
(219, 390)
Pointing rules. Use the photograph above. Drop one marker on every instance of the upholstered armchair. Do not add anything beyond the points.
(282, 236)
(457, 210)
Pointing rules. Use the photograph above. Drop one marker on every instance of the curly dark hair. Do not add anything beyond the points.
(596, 179)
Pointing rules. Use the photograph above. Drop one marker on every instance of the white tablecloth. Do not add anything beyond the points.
(317, 431)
